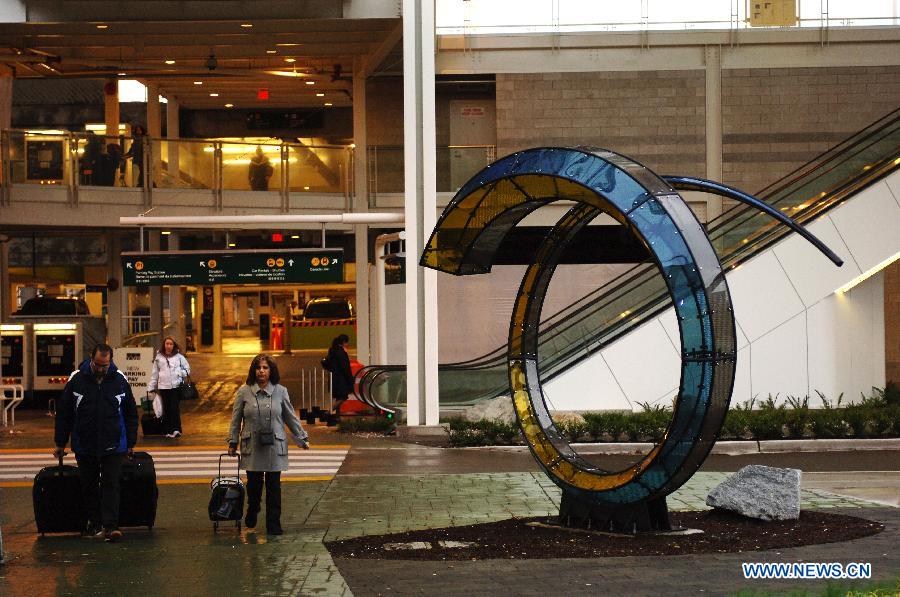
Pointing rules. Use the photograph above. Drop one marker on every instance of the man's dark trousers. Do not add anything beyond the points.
(100, 487)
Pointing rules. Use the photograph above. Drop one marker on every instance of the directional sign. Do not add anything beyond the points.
(181, 268)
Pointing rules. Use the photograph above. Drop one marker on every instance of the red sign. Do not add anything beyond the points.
(262, 93)
(277, 237)
(476, 111)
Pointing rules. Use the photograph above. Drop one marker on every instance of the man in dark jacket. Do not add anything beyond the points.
(97, 410)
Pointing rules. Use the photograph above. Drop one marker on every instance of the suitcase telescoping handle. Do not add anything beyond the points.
(238, 464)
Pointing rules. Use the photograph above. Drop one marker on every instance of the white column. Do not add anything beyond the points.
(172, 132)
(361, 204)
(713, 57)
(156, 318)
(154, 130)
(420, 210)
(176, 300)
(114, 298)
(111, 110)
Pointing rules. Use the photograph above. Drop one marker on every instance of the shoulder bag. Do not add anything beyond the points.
(187, 390)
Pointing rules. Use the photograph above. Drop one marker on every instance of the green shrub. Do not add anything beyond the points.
(882, 421)
(601, 424)
(365, 425)
(857, 416)
(573, 430)
(768, 422)
(828, 422)
(797, 417)
(465, 433)
(735, 425)
(650, 423)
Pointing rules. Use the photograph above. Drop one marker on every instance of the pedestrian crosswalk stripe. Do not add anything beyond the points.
(181, 466)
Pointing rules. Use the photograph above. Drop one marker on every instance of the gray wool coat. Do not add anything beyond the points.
(251, 413)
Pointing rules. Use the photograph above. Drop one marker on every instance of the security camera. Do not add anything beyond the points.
(211, 62)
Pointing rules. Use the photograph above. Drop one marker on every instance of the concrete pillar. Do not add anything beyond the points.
(6, 93)
(154, 131)
(156, 311)
(5, 290)
(713, 56)
(115, 299)
(172, 132)
(217, 319)
(176, 301)
(419, 159)
(111, 110)
(361, 204)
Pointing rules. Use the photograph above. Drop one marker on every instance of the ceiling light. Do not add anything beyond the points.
(287, 45)
(102, 26)
(271, 51)
(122, 74)
(170, 62)
(305, 188)
(213, 95)
(328, 104)
(320, 95)
(166, 232)
(232, 244)
(290, 60)
(198, 82)
(229, 105)
(246, 25)
(295, 236)
(310, 82)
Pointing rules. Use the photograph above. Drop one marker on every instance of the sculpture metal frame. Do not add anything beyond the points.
(468, 235)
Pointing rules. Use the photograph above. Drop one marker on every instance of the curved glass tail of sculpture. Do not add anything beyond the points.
(596, 320)
(474, 224)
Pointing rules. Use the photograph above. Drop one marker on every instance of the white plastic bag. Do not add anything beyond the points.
(157, 406)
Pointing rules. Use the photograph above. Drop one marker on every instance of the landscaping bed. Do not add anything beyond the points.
(723, 532)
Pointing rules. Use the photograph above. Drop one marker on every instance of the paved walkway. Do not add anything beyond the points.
(382, 486)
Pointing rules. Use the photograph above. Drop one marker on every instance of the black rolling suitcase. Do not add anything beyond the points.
(139, 493)
(150, 425)
(226, 500)
(58, 505)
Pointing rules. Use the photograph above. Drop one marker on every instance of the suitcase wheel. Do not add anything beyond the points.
(215, 526)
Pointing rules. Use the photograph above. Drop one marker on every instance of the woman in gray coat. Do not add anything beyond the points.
(261, 410)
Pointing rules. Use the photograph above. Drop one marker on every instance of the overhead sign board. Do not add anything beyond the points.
(279, 266)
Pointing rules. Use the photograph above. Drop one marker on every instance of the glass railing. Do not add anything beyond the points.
(75, 160)
(596, 320)
(456, 164)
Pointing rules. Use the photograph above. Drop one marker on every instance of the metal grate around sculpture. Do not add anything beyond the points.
(465, 241)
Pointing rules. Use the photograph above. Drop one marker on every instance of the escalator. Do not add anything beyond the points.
(613, 310)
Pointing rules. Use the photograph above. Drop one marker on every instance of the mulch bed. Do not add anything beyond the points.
(723, 532)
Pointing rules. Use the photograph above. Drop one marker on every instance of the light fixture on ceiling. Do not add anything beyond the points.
(166, 232)
(170, 62)
(213, 95)
(247, 25)
(122, 74)
(287, 45)
(328, 104)
(271, 51)
(310, 82)
(102, 26)
(292, 60)
(232, 244)
(320, 95)
(229, 105)
(198, 82)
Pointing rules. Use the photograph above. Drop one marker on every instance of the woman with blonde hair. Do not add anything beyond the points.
(170, 368)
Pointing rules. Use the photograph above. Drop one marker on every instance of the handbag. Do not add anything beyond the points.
(187, 390)
(157, 406)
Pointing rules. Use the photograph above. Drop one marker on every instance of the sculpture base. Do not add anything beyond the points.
(577, 512)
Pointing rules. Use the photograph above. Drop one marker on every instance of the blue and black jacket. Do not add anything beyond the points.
(100, 417)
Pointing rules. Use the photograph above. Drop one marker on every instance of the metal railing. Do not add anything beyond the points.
(315, 390)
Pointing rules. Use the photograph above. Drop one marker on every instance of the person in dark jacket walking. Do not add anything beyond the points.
(98, 412)
(341, 377)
